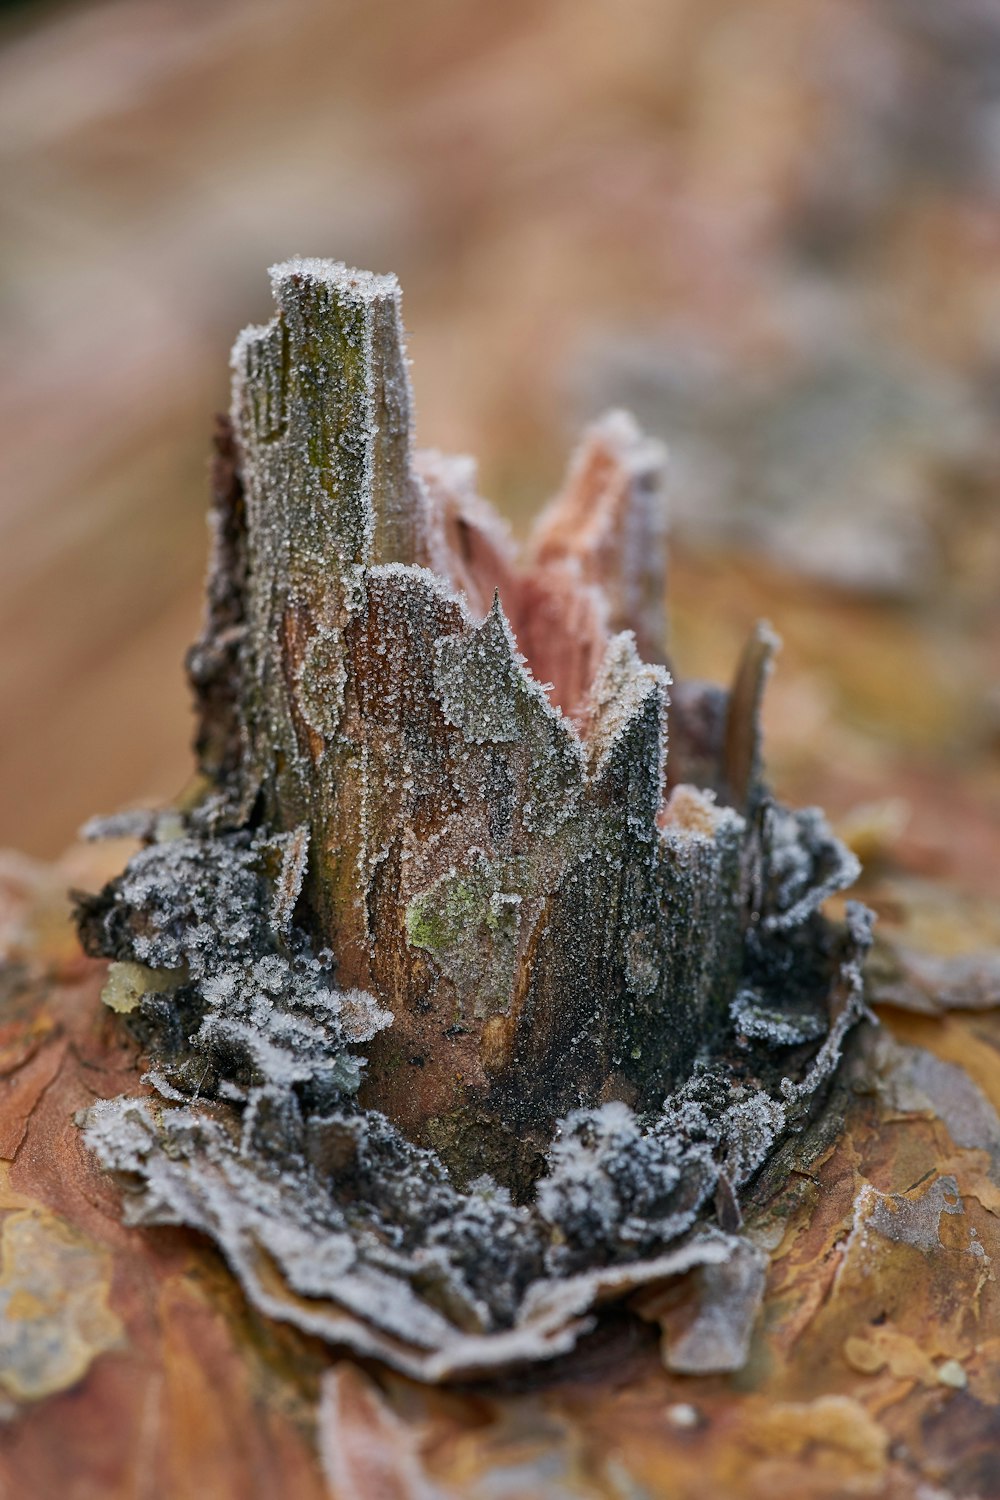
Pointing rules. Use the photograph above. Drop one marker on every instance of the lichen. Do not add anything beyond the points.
(54, 1314)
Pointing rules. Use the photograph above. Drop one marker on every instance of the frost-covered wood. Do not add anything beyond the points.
(465, 1007)
(474, 751)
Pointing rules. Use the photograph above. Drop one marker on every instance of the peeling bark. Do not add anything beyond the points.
(438, 821)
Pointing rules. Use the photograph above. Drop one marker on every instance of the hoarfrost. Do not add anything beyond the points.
(807, 865)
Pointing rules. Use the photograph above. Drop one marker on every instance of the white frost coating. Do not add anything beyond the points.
(512, 1283)
(367, 286)
(808, 865)
(622, 689)
(280, 1184)
(404, 573)
(482, 684)
(244, 343)
(755, 1019)
(694, 812)
(353, 1301)
(515, 1283)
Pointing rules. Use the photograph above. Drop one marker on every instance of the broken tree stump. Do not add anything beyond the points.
(472, 753)
(469, 1000)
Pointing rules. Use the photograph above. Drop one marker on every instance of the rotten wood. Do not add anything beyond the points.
(475, 750)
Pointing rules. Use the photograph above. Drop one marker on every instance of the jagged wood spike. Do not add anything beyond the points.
(741, 742)
(607, 529)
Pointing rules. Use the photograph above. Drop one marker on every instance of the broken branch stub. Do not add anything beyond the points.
(490, 848)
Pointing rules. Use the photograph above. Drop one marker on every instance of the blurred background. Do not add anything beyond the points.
(770, 227)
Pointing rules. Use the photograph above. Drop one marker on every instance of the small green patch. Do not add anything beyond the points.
(437, 918)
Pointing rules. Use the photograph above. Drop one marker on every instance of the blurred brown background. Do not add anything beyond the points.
(771, 227)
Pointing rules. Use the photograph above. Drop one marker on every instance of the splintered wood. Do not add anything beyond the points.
(453, 1005)
(475, 747)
